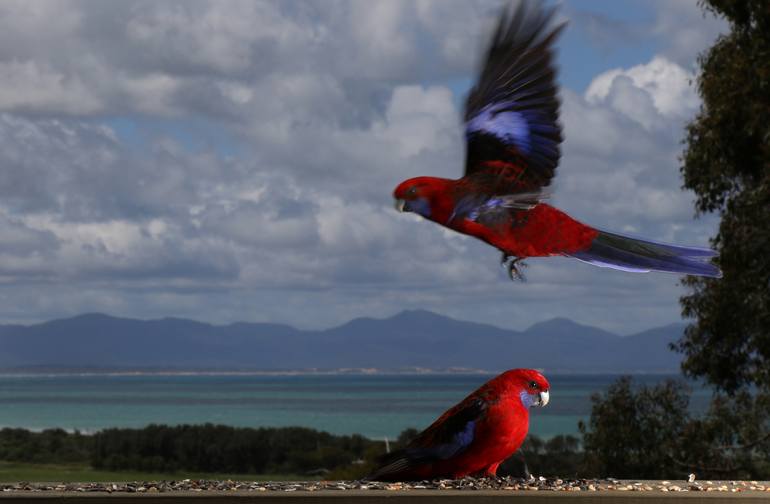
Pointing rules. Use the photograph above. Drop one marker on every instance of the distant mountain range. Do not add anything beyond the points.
(408, 340)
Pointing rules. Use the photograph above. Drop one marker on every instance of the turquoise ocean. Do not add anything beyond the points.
(376, 406)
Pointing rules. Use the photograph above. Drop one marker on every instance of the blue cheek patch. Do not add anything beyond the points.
(419, 206)
(526, 399)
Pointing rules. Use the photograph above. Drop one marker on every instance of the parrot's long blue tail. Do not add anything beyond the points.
(610, 250)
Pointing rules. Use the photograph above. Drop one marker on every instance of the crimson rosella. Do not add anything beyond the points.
(513, 136)
(473, 437)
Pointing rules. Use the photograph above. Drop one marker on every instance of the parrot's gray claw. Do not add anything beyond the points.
(512, 265)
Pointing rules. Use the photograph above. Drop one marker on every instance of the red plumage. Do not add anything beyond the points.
(513, 149)
(473, 437)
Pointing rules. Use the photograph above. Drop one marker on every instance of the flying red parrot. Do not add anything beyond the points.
(473, 437)
(513, 137)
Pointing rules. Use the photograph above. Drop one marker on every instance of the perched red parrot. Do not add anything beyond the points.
(473, 437)
(513, 137)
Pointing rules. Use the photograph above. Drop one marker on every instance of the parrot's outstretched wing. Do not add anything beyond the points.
(511, 114)
(448, 436)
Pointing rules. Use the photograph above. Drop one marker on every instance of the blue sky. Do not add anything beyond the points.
(234, 160)
(584, 56)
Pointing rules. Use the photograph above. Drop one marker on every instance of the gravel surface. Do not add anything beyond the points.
(467, 484)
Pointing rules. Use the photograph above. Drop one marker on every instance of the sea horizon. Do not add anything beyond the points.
(130, 371)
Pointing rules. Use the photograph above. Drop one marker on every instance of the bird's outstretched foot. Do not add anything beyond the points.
(512, 265)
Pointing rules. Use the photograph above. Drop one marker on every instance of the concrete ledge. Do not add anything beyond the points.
(392, 497)
(468, 490)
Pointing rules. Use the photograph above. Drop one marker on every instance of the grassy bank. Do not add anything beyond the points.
(19, 471)
(161, 452)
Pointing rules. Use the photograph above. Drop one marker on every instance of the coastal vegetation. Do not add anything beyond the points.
(194, 451)
(11, 472)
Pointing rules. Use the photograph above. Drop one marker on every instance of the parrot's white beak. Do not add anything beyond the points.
(544, 397)
(399, 204)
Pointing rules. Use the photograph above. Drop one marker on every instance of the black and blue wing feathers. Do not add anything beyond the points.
(512, 112)
(447, 437)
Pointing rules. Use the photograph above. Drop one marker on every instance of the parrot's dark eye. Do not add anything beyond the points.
(533, 385)
(412, 191)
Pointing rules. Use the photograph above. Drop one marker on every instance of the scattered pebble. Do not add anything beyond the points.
(465, 484)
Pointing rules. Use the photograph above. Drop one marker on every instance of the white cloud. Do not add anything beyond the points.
(663, 82)
(621, 153)
(20, 240)
(177, 57)
(31, 86)
(419, 119)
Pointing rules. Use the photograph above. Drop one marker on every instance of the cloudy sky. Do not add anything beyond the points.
(234, 160)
